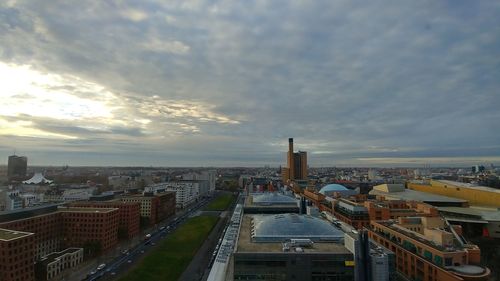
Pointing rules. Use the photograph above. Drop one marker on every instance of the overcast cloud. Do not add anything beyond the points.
(221, 83)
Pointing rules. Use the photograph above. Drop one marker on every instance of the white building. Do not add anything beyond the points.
(29, 199)
(206, 178)
(55, 263)
(13, 200)
(186, 192)
(77, 194)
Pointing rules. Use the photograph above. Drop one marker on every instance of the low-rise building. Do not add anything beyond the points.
(474, 194)
(270, 203)
(428, 248)
(53, 265)
(399, 192)
(313, 249)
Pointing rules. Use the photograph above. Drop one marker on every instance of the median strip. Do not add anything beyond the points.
(169, 259)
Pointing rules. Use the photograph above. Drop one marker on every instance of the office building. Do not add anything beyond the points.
(129, 219)
(155, 207)
(428, 248)
(474, 194)
(186, 192)
(313, 249)
(17, 166)
(45, 223)
(358, 211)
(296, 164)
(16, 255)
(56, 228)
(95, 225)
(372, 261)
(399, 192)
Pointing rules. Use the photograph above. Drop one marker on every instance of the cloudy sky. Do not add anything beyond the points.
(222, 83)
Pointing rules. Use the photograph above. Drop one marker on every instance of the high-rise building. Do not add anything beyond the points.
(296, 164)
(17, 166)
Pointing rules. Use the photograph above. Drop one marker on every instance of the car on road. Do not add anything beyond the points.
(101, 266)
(129, 261)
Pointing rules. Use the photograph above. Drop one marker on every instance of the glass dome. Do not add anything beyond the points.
(273, 199)
(332, 188)
(282, 227)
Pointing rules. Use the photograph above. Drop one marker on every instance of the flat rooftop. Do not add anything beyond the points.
(470, 186)
(7, 235)
(87, 210)
(53, 256)
(486, 214)
(414, 195)
(246, 245)
(419, 237)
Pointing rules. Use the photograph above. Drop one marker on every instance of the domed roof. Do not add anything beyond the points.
(273, 199)
(281, 227)
(333, 187)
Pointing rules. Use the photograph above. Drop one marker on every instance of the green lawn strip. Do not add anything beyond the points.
(173, 255)
(221, 203)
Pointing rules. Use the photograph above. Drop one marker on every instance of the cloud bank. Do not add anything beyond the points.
(220, 83)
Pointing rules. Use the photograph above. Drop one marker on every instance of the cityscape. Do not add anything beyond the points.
(112, 223)
(209, 140)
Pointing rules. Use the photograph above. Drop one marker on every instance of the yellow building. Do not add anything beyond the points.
(476, 195)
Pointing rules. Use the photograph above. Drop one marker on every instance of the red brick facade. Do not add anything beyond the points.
(81, 225)
(129, 219)
(17, 257)
(47, 229)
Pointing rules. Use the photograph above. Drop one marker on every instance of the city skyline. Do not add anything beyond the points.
(214, 83)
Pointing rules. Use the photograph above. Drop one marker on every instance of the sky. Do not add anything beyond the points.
(226, 83)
